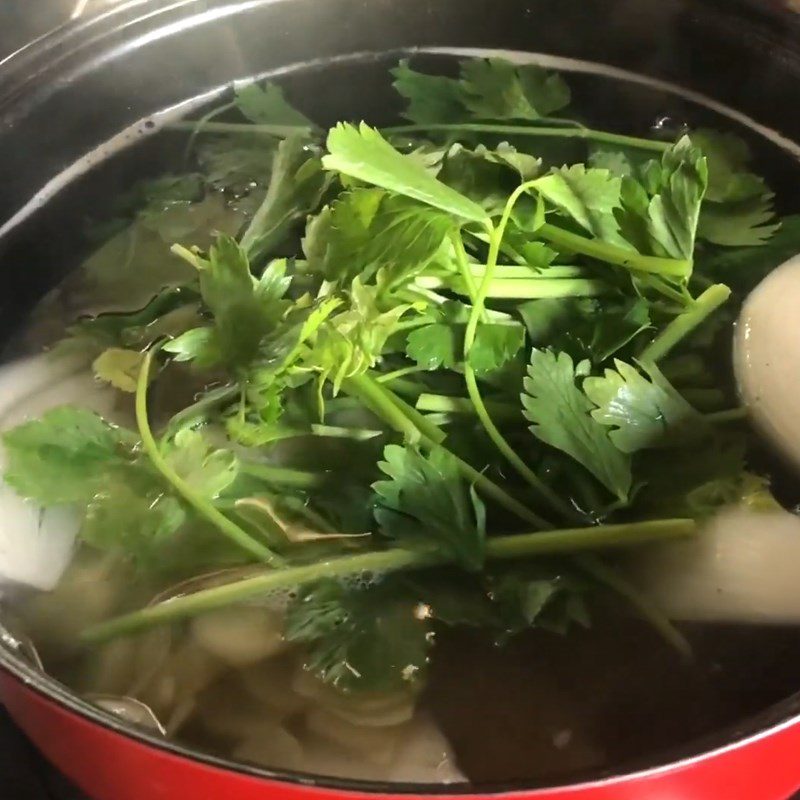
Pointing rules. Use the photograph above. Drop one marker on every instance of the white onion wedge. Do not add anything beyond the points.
(767, 357)
(743, 567)
(36, 544)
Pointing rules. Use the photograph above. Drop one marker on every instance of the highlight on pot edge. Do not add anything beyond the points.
(417, 453)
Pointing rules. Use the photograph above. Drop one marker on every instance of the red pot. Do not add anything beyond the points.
(74, 89)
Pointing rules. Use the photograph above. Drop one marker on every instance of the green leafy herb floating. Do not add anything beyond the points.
(412, 353)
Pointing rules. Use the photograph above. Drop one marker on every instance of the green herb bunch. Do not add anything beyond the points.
(426, 375)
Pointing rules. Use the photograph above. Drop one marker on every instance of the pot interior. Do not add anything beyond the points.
(534, 713)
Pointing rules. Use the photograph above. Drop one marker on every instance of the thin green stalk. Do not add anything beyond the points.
(200, 124)
(412, 295)
(541, 132)
(647, 611)
(203, 506)
(342, 432)
(388, 377)
(705, 305)
(516, 546)
(387, 406)
(284, 476)
(548, 132)
(518, 271)
(406, 388)
(463, 268)
(505, 247)
(441, 403)
(679, 268)
(524, 288)
(496, 238)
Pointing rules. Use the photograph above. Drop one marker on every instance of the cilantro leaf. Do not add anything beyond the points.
(296, 188)
(487, 176)
(674, 212)
(561, 417)
(431, 98)
(727, 156)
(244, 309)
(352, 342)
(743, 223)
(750, 264)
(495, 345)
(589, 196)
(60, 457)
(578, 326)
(426, 503)
(642, 413)
(692, 482)
(119, 367)
(207, 470)
(198, 345)
(364, 154)
(131, 515)
(486, 89)
(496, 89)
(538, 596)
(441, 344)
(267, 105)
(366, 230)
(360, 639)
(436, 345)
(239, 162)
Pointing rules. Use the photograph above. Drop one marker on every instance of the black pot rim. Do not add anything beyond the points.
(75, 45)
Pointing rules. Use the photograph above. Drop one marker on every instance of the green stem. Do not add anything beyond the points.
(705, 305)
(464, 270)
(388, 377)
(200, 124)
(203, 506)
(341, 432)
(412, 295)
(541, 132)
(463, 405)
(571, 132)
(284, 476)
(407, 388)
(496, 239)
(527, 272)
(385, 561)
(524, 288)
(611, 254)
(396, 412)
(647, 611)
(505, 247)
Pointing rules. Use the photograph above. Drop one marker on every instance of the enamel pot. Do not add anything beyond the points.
(96, 87)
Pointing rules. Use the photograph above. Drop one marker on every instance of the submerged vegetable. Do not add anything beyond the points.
(398, 381)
